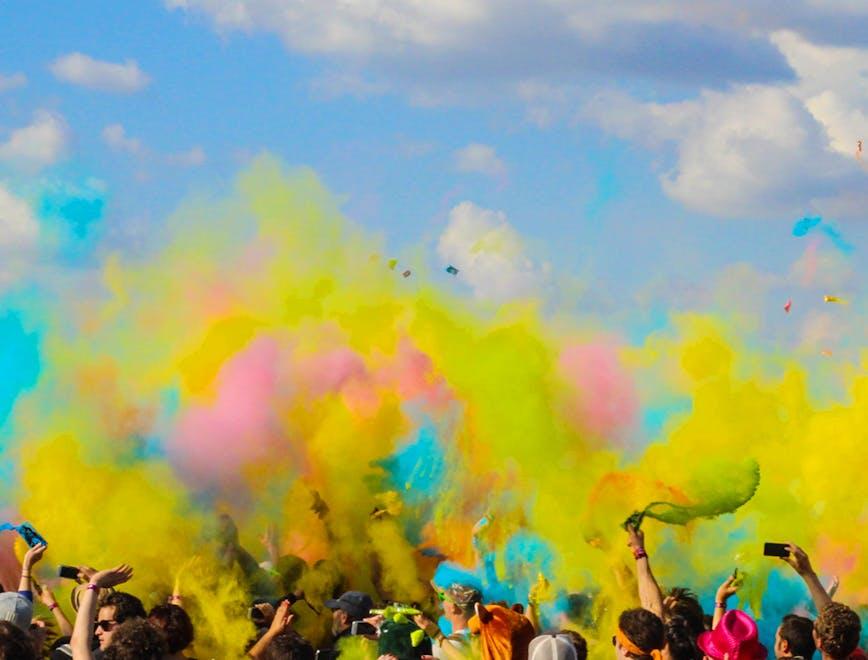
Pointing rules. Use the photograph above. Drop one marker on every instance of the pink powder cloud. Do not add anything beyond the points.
(604, 401)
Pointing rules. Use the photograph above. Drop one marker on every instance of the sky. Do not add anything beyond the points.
(617, 154)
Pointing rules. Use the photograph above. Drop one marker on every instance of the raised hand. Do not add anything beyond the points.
(283, 619)
(112, 576)
(799, 560)
(727, 588)
(635, 538)
(33, 555)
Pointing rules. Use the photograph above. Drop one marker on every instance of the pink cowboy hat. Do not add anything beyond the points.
(735, 637)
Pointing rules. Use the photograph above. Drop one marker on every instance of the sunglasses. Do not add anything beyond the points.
(106, 624)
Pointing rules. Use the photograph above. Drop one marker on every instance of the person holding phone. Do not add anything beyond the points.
(837, 629)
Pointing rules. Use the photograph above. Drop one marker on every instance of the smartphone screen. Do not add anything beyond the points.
(68, 572)
(776, 550)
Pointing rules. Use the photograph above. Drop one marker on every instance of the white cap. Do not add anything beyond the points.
(552, 647)
(16, 609)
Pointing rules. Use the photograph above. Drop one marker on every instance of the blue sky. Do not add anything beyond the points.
(642, 149)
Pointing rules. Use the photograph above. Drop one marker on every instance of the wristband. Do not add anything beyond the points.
(639, 553)
(92, 587)
(53, 607)
(720, 606)
(25, 575)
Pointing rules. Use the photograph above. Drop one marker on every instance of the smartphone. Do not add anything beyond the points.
(68, 572)
(776, 550)
(31, 537)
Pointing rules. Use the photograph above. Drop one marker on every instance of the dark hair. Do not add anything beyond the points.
(126, 606)
(684, 603)
(288, 646)
(175, 624)
(579, 643)
(797, 632)
(839, 629)
(136, 640)
(15, 644)
(643, 628)
(681, 640)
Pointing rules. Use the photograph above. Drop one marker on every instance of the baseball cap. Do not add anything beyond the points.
(16, 609)
(355, 603)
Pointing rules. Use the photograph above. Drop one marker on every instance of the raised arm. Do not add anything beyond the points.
(31, 557)
(798, 559)
(724, 592)
(82, 633)
(282, 621)
(48, 599)
(650, 595)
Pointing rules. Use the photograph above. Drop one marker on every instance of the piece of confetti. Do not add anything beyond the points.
(826, 352)
(406, 273)
(859, 149)
(452, 270)
(392, 264)
(788, 305)
(833, 299)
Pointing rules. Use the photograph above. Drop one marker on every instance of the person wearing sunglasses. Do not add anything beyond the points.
(640, 636)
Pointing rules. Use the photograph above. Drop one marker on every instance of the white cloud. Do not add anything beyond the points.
(760, 150)
(480, 159)
(19, 232)
(40, 144)
(12, 81)
(18, 227)
(115, 136)
(83, 70)
(489, 254)
(191, 158)
(833, 85)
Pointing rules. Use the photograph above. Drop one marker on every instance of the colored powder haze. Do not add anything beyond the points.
(264, 355)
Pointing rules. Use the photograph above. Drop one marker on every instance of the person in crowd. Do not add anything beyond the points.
(280, 641)
(351, 607)
(125, 634)
(504, 632)
(640, 635)
(15, 644)
(565, 645)
(458, 602)
(116, 608)
(837, 631)
(734, 637)
(176, 626)
(794, 638)
(680, 639)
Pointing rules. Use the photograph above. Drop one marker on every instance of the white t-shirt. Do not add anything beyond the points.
(460, 639)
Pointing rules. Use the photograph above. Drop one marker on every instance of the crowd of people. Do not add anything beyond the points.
(112, 624)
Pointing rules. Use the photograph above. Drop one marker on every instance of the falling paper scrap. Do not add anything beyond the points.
(392, 264)
(406, 273)
(452, 270)
(859, 149)
(826, 353)
(833, 299)
(787, 306)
